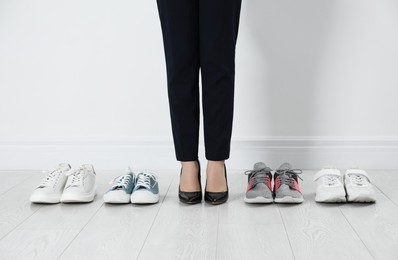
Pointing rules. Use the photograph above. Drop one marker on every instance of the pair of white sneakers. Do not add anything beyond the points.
(64, 184)
(353, 186)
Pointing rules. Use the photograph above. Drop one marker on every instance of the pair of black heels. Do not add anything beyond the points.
(195, 197)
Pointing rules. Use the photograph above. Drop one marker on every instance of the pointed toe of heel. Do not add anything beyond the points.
(216, 198)
(190, 197)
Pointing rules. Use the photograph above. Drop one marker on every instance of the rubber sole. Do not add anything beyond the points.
(361, 198)
(338, 199)
(116, 200)
(289, 199)
(76, 198)
(259, 200)
(45, 199)
(331, 196)
(144, 197)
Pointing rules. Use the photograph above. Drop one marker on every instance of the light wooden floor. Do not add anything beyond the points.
(171, 230)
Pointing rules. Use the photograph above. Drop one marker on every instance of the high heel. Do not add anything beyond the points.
(216, 198)
(191, 197)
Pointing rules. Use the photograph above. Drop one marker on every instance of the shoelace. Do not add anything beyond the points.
(286, 176)
(357, 179)
(144, 180)
(76, 176)
(258, 176)
(50, 178)
(331, 180)
(121, 181)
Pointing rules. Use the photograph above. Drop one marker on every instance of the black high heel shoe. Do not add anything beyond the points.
(216, 198)
(191, 197)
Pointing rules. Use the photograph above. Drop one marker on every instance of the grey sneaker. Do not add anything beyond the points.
(146, 190)
(286, 188)
(259, 189)
(121, 188)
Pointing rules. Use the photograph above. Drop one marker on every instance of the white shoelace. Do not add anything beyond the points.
(332, 180)
(121, 181)
(50, 178)
(357, 179)
(144, 180)
(76, 176)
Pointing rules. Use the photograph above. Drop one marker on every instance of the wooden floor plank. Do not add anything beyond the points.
(60, 223)
(15, 206)
(320, 231)
(387, 182)
(36, 244)
(249, 231)
(14, 212)
(10, 179)
(70, 215)
(376, 224)
(24, 189)
(182, 231)
(117, 231)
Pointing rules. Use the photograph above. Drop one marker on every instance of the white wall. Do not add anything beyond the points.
(84, 81)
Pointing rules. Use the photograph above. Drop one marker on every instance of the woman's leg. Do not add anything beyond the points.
(219, 23)
(180, 28)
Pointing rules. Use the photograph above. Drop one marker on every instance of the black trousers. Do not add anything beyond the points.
(200, 35)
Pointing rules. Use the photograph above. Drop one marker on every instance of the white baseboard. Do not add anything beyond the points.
(158, 152)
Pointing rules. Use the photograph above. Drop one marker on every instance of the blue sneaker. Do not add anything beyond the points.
(121, 189)
(146, 190)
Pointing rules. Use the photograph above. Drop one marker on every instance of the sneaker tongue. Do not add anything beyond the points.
(285, 166)
(117, 187)
(140, 187)
(64, 166)
(259, 166)
(86, 167)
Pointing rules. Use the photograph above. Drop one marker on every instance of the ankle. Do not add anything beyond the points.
(215, 165)
(190, 166)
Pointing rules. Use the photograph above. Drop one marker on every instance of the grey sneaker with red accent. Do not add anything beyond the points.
(286, 188)
(259, 187)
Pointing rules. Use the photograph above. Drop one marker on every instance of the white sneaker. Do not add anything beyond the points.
(50, 189)
(81, 185)
(358, 186)
(330, 187)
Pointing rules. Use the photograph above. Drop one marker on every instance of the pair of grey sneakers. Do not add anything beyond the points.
(285, 184)
(141, 188)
